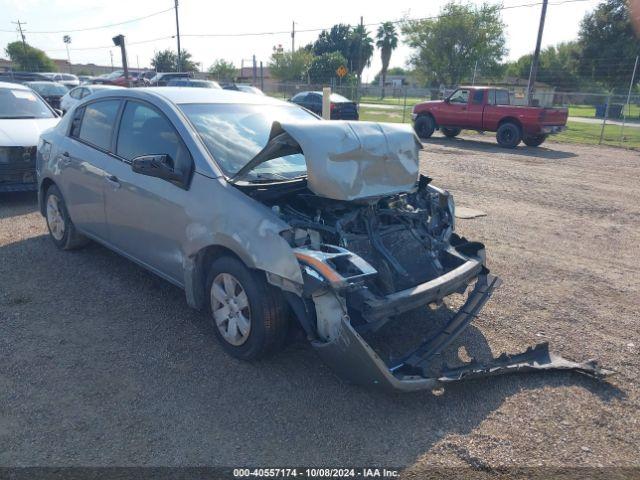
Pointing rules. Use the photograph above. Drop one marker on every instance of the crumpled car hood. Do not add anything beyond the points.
(348, 160)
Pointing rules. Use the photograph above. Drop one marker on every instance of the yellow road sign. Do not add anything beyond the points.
(341, 71)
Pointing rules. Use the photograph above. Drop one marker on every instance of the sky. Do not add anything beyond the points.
(200, 17)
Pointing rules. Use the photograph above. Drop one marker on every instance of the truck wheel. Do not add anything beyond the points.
(249, 315)
(450, 132)
(424, 126)
(534, 141)
(508, 135)
(61, 229)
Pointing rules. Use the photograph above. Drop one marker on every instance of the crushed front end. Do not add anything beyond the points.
(374, 240)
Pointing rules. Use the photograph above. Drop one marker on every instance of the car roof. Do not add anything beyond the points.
(100, 87)
(180, 95)
(14, 86)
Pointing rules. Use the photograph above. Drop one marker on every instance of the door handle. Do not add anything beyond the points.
(113, 181)
(66, 158)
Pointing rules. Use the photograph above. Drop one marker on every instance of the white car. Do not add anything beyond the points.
(66, 79)
(74, 95)
(23, 117)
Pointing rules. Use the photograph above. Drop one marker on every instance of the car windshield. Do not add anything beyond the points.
(16, 103)
(234, 134)
(49, 88)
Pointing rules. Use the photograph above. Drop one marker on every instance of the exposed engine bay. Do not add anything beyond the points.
(372, 244)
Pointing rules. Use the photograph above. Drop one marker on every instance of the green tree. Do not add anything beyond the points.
(26, 57)
(354, 44)
(558, 66)
(446, 48)
(290, 66)
(390, 71)
(609, 44)
(323, 68)
(167, 61)
(223, 70)
(387, 42)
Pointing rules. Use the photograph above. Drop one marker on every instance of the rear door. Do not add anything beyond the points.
(146, 215)
(83, 162)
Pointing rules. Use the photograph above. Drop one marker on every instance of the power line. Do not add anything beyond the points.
(97, 27)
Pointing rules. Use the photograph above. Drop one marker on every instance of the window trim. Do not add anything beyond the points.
(84, 109)
(118, 125)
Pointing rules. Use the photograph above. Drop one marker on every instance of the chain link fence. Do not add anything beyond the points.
(594, 118)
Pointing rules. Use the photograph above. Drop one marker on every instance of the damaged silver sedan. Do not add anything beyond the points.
(266, 215)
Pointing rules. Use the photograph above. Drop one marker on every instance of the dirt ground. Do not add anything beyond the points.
(102, 363)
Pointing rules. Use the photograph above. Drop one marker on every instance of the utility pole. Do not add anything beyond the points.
(24, 42)
(111, 54)
(536, 55)
(475, 69)
(293, 37)
(67, 40)
(178, 37)
(255, 71)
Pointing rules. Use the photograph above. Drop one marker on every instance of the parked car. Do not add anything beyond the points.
(52, 92)
(190, 82)
(21, 77)
(66, 79)
(75, 95)
(162, 78)
(341, 108)
(144, 79)
(116, 78)
(488, 109)
(249, 89)
(85, 79)
(265, 214)
(23, 117)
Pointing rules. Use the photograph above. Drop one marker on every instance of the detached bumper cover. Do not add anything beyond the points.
(352, 357)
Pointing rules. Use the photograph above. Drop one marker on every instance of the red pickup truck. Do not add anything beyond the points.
(488, 109)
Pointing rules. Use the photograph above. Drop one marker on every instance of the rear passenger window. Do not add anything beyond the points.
(144, 131)
(97, 123)
(478, 96)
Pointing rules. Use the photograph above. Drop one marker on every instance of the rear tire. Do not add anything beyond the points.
(450, 132)
(249, 316)
(508, 135)
(534, 141)
(62, 231)
(424, 126)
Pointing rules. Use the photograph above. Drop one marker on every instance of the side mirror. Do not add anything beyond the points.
(159, 166)
(446, 100)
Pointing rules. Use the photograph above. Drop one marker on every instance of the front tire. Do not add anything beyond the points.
(62, 231)
(450, 132)
(534, 141)
(508, 135)
(249, 316)
(424, 126)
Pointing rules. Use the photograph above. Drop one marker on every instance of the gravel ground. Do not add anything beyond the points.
(101, 363)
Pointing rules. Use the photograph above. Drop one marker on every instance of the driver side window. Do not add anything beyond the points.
(144, 131)
(460, 96)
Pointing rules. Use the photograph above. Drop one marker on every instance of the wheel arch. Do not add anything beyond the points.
(45, 184)
(513, 120)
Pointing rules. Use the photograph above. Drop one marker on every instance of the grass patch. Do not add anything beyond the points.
(379, 115)
(589, 133)
(589, 111)
(411, 101)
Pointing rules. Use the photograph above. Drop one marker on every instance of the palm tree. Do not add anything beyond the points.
(387, 43)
